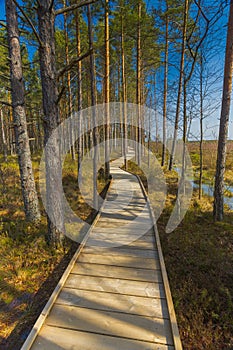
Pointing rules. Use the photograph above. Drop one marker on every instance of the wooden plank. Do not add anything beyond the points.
(126, 225)
(120, 261)
(143, 306)
(126, 273)
(123, 251)
(114, 243)
(123, 236)
(111, 323)
(174, 327)
(120, 286)
(139, 219)
(48, 306)
(115, 297)
(130, 230)
(75, 340)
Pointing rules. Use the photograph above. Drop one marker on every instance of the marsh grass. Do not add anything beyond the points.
(29, 269)
(199, 259)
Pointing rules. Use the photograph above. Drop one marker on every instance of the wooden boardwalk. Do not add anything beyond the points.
(114, 294)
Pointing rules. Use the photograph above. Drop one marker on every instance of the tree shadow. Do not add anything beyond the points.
(36, 304)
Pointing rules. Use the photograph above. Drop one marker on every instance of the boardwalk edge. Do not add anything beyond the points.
(171, 309)
(45, 312)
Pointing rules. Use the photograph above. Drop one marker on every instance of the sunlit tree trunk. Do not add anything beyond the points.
(31, 205)
(201, 128)
(125, 128)
(93, 103)
(180, 84)
(138, 87)
(165, 93)
(79, 92)
(3, 136)
(51, 120)
(224, 121)
(70, 103)
(107, 91)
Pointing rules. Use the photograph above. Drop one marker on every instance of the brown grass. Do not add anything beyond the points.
(29, 269)
(199, 259)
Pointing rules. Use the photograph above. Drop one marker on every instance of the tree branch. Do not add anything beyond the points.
(60, 94)
(4, 45)
(3, 24)
(74, 6)
(4, 77)
(29, 22)
(72, 63)
(6, 104)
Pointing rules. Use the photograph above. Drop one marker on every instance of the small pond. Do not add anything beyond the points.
(208, 189)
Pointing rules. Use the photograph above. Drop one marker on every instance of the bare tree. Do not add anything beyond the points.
(180, 84)
(165, 88)
(224, 121)
(201, 127)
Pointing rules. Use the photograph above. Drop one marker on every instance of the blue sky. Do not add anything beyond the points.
(211, 123)
(2, 10)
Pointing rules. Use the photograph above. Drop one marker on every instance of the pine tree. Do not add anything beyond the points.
(31, 205)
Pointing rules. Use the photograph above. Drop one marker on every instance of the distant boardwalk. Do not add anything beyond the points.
(114, 294)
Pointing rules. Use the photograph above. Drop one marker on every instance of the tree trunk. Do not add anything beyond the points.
(54, 189)
(138, 88)
(107, 92)
(201, 128)
(224, 121)
(70, 104)
(125, 128)
(165, 93)
(184, 130)
(3, 136)
(180, 85)
(31, 205)
(93, 103)
(79, 92)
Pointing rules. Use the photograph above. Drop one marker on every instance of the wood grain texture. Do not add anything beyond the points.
(111, 323)
(52, 338)
(114, 296)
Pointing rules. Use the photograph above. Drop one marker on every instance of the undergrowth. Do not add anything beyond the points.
(26, 261)
(199, 258)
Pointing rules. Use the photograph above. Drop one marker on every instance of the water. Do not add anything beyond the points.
(208, 189)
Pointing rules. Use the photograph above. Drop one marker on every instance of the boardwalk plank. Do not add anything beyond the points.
(116, 294)
(127, 261)
(120, 286)
(111, 323)
(111, 302)
(104, 239)
(75, 340)
(117, 272)
(149, 238)
(124, 251)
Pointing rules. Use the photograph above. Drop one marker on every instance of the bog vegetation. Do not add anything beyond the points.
(62, 57)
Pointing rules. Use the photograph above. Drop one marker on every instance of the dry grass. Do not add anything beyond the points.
(199, 260)
(26, 262)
